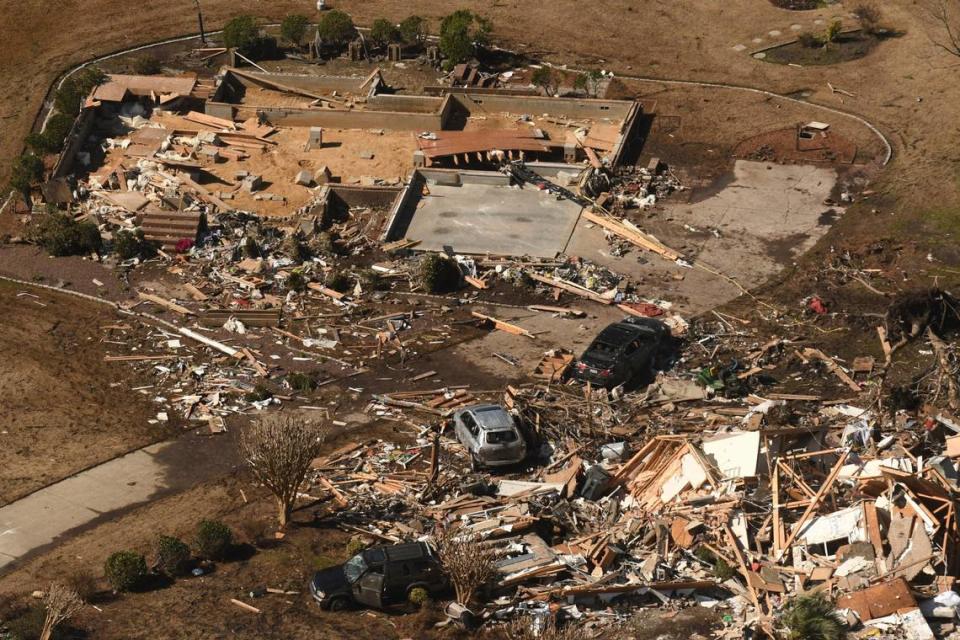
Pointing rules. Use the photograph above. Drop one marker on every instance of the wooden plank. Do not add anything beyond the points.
(244, 605)
(566, 311)
(873, 527)
(319, 288)
(157, 300)
(143, 358)
(503, 326)
(569, 288)
(210, 121)
(195, 293)
(642, 240)
(476, 282)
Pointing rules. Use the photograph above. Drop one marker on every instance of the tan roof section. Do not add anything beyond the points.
(118, 85)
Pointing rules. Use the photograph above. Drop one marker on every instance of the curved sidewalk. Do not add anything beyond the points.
(43, 517)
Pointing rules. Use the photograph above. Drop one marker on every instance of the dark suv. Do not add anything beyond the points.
(379, 577)
(625, 349)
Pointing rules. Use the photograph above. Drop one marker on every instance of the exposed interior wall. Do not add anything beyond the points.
(359, 196)
(569, 107)
(311, 83)
(79, 132)
(339, 119)
(405, 103)
(406, 202)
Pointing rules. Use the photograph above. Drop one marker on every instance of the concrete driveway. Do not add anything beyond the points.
(41, 518)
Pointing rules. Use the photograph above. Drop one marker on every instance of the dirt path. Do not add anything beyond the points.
(105, 491)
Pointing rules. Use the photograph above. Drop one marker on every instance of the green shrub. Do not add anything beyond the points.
(722, 570)
(413, 30)
(302, 382)
(296, 281)
(336, 28)
(125, 570)
(383, 32)
(61, 235)
(76, 88)
(295, 249)
(240, 31)
(52, 139)
(132, 244)
(355, 546)
(439, 274)
(173, 555)
(813, 617)
(460, 34)
(339, 281)
(259, 394)
(323, 244)
(250, 247)
(214, 539)
(294, 28)
(370, 280)
(418, 596)
(147, 65)
(26, 170)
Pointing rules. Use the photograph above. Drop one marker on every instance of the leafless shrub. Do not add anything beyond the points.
(468, 564)
(62, 603)
(946, 13)
(869, 17)
(280, 450)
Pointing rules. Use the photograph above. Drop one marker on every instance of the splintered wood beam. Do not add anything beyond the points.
(503, 326)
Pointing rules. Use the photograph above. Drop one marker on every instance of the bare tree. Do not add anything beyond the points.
(62, 604)
(947, 15)
(280, 450)
(469, 564)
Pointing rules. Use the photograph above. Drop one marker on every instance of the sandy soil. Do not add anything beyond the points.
(62, 408)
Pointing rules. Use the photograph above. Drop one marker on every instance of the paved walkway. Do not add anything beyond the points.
(40, 519)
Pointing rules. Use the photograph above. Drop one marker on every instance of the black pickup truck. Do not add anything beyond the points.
(379, 577)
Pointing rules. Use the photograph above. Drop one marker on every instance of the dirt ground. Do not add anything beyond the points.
(61, 406)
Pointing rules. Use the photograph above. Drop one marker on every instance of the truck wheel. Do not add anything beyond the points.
(475, 464)
(338, 604)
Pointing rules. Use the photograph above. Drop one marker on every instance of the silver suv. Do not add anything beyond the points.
(490, 435)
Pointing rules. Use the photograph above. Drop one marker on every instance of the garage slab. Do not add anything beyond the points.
(493, 218)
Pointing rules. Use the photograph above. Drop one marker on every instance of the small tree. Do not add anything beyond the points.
(413, 30)
(280, 450)
(383, 32)
(172, 554)
(461, 33)
(147, 65)
(546, 80)
(580, 82)
(214, 539)
(467, 563)
(294, 28)
(336, 28)
(62, 603)
(240, 31)
(125, 570)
